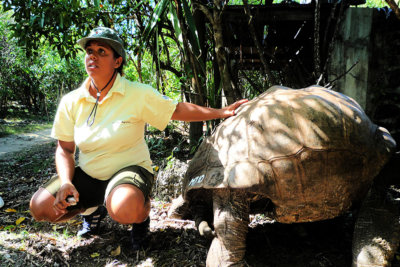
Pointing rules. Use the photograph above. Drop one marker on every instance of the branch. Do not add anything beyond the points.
(394, 7)
(190, 92)
(256, 42)
(332, 42)
(343, 74)
(138, 66)
(205, 10)
(166, 49)
(253, 84)
(171, 69)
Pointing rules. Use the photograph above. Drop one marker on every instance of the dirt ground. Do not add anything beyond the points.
(15, 143)
(24, 242)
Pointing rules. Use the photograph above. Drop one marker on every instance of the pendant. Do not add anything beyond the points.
(98, 94)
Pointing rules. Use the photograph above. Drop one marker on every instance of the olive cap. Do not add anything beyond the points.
(108, 36)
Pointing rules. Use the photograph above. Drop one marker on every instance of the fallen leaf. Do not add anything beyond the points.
(116, 251)
(94, 255)
(20, 220)
(10, 210)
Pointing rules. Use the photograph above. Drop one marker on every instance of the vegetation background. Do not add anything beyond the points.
(40, 60)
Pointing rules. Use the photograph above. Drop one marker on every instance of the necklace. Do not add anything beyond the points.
(94, 110)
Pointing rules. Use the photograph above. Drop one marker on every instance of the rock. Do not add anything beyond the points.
(168, 183)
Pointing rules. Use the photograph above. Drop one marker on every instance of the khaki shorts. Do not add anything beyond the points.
(93, 192)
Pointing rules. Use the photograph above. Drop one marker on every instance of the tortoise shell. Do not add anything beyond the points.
(312, 152)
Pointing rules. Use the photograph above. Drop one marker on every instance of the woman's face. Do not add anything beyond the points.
(100, 61)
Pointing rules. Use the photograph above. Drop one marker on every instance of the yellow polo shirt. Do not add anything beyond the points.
(116, 138)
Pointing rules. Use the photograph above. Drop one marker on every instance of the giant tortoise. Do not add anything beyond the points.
(311, 153)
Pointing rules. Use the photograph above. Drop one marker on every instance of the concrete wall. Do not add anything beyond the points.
(352, 46)
(370, 37)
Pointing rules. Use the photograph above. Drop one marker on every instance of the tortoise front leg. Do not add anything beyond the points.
(231, 219)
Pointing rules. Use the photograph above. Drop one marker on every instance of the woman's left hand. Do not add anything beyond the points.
(230, 110)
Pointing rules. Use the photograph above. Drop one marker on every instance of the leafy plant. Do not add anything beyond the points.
(170, 161)
(156, 145)
(32, 85)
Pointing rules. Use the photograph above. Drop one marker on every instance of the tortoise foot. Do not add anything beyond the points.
(219, 256)
(373, 255)
(377, 231)
(178, 208)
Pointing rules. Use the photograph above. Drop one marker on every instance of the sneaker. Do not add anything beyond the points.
(139, 234)
(91, 223)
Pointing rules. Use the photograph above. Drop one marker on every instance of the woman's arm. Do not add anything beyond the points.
(65, 163)
(191, 112)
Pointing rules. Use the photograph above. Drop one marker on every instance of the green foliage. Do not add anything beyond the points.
(369, 3)
(375, 4)
(149, 29)
(170, 161)
(58, 25)
(38, 22)
(156, 145)
(37, 83)
(61, 23)
(171, 83)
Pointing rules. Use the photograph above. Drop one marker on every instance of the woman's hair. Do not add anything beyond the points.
(120, 69)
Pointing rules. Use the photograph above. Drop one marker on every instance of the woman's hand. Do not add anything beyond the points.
(60, 203)
(230, 110)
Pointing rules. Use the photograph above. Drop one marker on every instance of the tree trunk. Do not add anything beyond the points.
(195, 128)
(395, 7)
(223, 60)
(197, 82)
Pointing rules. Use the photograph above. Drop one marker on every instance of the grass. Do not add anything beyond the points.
(21, 121)
(19, 129)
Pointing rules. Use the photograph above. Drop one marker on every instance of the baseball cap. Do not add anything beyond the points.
(108, 36)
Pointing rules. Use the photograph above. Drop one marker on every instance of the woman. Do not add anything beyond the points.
(105, 118)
